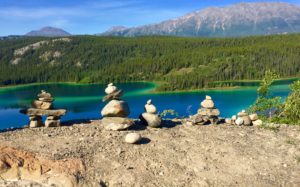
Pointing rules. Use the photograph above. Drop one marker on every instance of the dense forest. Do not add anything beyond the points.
(177, 63)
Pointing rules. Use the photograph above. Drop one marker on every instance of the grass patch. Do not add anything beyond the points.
(269, 127)
(291, 142)
(298, 159)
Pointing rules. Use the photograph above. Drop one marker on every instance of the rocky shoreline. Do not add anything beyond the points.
(174, 155)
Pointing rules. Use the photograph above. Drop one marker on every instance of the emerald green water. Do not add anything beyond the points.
(84, 101)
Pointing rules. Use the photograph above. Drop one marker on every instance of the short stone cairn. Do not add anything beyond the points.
(207, 114)
(42, 106)
(116, 111)
(244, 119)
(150, 116)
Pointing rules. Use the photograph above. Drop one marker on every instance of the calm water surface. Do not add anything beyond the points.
(84, 101)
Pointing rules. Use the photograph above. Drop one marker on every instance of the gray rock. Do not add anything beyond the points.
(209, 112)
(41, 112)
(247, 120)
(152, 120)
(117, 123)
(116, 108)
(115, 95)
(52, 123)
(132, 138)
(53, 118)
(196, 119)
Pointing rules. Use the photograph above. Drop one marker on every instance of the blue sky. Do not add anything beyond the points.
(95, 16)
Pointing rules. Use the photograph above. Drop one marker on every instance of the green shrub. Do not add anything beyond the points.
(266, 105)
(291, 108)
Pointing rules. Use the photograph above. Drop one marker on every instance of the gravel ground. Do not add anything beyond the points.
(175, 155)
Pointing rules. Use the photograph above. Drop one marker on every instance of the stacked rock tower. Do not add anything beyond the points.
(116, 111)
(150, 117)
(207, 113)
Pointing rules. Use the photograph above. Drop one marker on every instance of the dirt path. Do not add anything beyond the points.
(171, 156)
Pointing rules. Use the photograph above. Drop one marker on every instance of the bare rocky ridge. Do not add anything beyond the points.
(174, 155)
(244, 19)
(20, 53)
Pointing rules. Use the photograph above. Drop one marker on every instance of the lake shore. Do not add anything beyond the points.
(176, 155)
(154, 85)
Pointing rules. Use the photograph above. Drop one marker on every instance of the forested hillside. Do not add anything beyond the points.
(180, 63)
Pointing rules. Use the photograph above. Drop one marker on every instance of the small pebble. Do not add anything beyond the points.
(133, 138)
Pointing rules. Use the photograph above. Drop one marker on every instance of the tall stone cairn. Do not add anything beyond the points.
(116, 111)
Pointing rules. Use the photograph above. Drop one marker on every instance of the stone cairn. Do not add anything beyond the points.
(206, 115)
(244, 119)
(116, 111)
(43, 106)
(150, 117)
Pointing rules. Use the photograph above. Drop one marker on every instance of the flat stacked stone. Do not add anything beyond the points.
(43, 107)
(207, 114)
(116, 111)
(150, 116)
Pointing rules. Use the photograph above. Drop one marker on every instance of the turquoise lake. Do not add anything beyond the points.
(84, 101)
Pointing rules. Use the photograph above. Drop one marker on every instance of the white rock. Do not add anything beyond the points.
(152, 120)
(207, 104)
(257, 123)
(132, 138)
(239, 121)
(253, 117)
(234, 117)
(208, 97)
(228, 121)
(110, 89)
(150, 108)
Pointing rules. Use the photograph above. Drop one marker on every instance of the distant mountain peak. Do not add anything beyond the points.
(242, 19)
(117, 28)
(49, 32)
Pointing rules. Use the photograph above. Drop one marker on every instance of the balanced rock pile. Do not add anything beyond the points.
(150, 117)
(43, 107)
(44, 101)
(116, 111)
(243, 118)
(207, 114)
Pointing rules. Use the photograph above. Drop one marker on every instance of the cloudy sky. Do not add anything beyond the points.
(95, 16)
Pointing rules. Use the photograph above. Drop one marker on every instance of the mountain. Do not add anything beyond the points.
(243, 19)
(48, 31)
